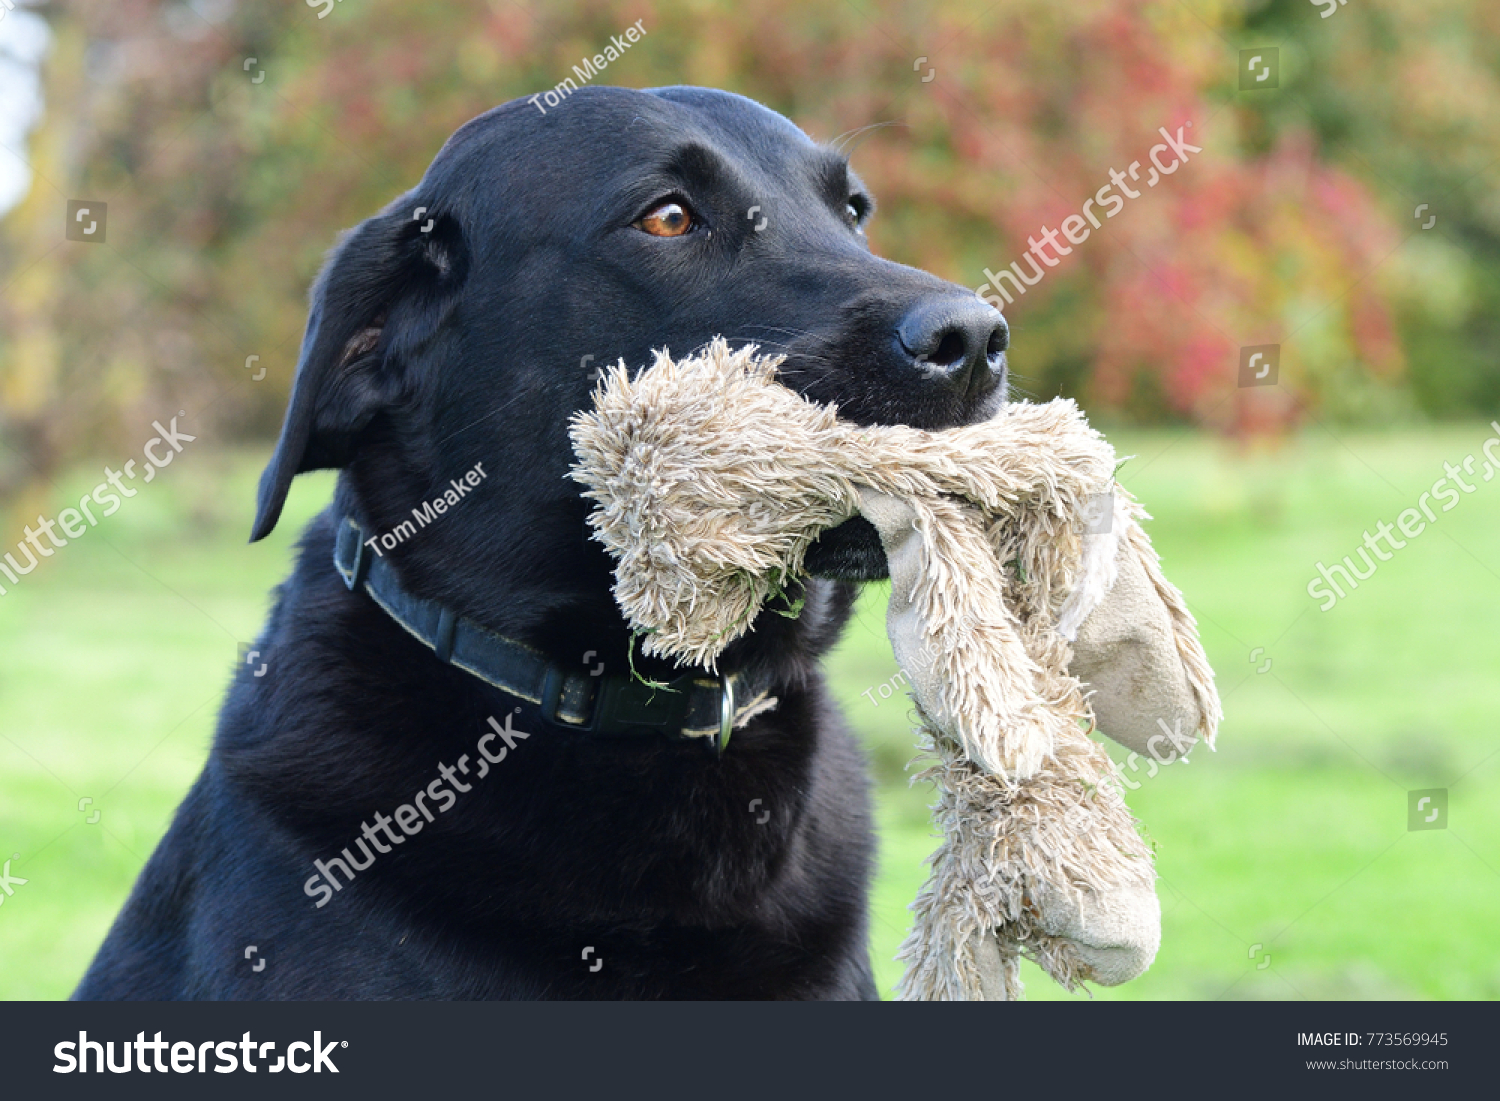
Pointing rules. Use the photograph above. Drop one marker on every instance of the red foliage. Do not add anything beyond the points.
(225, 193)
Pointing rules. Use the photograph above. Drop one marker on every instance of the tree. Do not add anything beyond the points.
(232, 140)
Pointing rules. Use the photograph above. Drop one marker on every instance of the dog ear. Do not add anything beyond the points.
(384, 290)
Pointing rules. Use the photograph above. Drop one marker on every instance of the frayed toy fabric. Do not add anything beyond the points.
(1005, 541)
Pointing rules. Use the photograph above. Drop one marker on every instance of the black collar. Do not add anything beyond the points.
(694, 705)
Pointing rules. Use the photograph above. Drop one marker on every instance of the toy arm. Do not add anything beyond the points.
(1106, 935)
(1138, 653)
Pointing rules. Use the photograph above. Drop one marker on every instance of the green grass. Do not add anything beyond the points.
(115, 653)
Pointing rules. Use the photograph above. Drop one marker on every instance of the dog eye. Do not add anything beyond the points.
(667, 220)
(855, 210)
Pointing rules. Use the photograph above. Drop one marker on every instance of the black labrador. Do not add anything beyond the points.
(451, 780)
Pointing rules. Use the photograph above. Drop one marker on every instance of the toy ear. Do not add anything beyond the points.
(384, 290)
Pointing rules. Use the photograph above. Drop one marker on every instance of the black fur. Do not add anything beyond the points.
(429, 352)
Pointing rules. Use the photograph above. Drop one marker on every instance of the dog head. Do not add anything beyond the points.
(467, 321)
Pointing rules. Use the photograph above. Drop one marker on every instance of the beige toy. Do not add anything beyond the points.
(1026, 603)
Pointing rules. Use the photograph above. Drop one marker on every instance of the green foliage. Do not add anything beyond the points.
(1407, 97)
(225, 193)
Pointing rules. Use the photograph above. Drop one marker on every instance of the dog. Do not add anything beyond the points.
(555, 816)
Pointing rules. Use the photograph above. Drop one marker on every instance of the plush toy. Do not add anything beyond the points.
(1026, 603)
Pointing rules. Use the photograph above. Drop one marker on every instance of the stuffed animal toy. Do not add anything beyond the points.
(1026, 606)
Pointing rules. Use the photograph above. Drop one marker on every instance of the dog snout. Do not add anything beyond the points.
(957, 340)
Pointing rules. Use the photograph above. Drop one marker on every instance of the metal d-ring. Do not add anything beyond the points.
(726, 712)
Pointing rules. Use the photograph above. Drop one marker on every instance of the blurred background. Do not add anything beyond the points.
(1344, 209)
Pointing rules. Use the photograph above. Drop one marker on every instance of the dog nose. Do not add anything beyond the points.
(961, 341)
